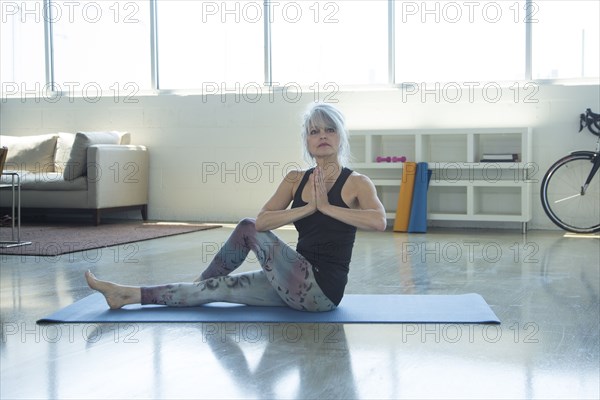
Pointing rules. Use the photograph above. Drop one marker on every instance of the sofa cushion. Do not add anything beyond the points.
(47, 181)
(30, 153)
(76, 166)
(125, 138)
(64, 144)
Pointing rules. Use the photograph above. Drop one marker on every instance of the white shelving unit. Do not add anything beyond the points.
(461, 188)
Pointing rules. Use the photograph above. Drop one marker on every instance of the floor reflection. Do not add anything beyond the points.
(298, 360)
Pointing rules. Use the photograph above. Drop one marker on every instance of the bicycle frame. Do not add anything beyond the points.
(595, 167)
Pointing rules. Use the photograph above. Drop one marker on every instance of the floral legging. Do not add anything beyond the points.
(286, 278)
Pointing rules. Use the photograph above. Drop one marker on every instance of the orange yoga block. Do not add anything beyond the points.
(405, 197)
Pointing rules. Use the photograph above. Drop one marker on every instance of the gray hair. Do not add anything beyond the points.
(326, 115)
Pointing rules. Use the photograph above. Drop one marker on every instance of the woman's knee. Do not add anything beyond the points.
(246, 225)
(247, 221)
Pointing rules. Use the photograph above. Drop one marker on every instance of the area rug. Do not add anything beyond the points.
(57, 239)
(390, 309)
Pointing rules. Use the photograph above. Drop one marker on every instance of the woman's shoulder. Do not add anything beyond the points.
(360, 182)
(359, 179)
(297, 173)
(295, 176)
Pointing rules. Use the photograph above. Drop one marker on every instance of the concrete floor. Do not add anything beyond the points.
(543, 286)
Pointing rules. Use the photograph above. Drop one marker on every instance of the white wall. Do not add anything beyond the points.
(219, 158)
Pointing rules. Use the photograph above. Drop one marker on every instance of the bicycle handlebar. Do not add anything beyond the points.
(591, 121)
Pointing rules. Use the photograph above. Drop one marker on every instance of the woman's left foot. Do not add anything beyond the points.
(116, 296)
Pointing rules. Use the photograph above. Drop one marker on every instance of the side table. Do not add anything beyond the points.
(15, 187)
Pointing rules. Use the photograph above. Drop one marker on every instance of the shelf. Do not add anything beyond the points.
(462, 188)
(482, 217)
(448, 200)
(506, 183)
(479, 165)
(448, 165)
(445, 148)
(376, 165)
(387, 182)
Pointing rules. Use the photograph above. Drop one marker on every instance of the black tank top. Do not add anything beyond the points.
(326, 242)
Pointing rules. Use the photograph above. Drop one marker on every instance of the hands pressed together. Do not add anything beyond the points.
(316, 181)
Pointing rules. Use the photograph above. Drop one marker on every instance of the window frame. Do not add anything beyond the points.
(269, 85)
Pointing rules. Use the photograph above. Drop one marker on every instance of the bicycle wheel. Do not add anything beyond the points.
(561, 194)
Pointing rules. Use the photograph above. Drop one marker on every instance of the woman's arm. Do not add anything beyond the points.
(369, 215)
(275, 212)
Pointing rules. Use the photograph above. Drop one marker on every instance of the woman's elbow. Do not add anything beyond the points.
(260, 227)
(381, 224)
(260, 224)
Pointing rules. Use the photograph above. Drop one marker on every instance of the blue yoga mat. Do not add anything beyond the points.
(418, 210)
(388, 309)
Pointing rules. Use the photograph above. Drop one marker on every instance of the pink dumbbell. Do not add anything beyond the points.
(383, 159)
(399, 159)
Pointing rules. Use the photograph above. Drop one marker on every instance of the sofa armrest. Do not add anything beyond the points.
(117, 175)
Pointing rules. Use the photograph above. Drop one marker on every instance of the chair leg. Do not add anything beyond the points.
(145, 212)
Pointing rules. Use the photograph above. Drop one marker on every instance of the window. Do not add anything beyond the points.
(453, 41)
(22, 54)
(329, 42)
(104, 48)
(566, 39)
(101, 47)
(209, 45)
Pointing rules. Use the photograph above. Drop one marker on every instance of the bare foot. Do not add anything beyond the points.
(116, 296)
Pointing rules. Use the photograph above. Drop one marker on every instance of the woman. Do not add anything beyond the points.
(329, 202)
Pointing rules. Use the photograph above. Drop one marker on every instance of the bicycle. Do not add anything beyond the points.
(570, 189)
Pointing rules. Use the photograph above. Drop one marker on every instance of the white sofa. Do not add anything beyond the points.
(87, 171)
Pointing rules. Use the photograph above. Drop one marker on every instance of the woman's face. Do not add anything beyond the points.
(323, 141)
